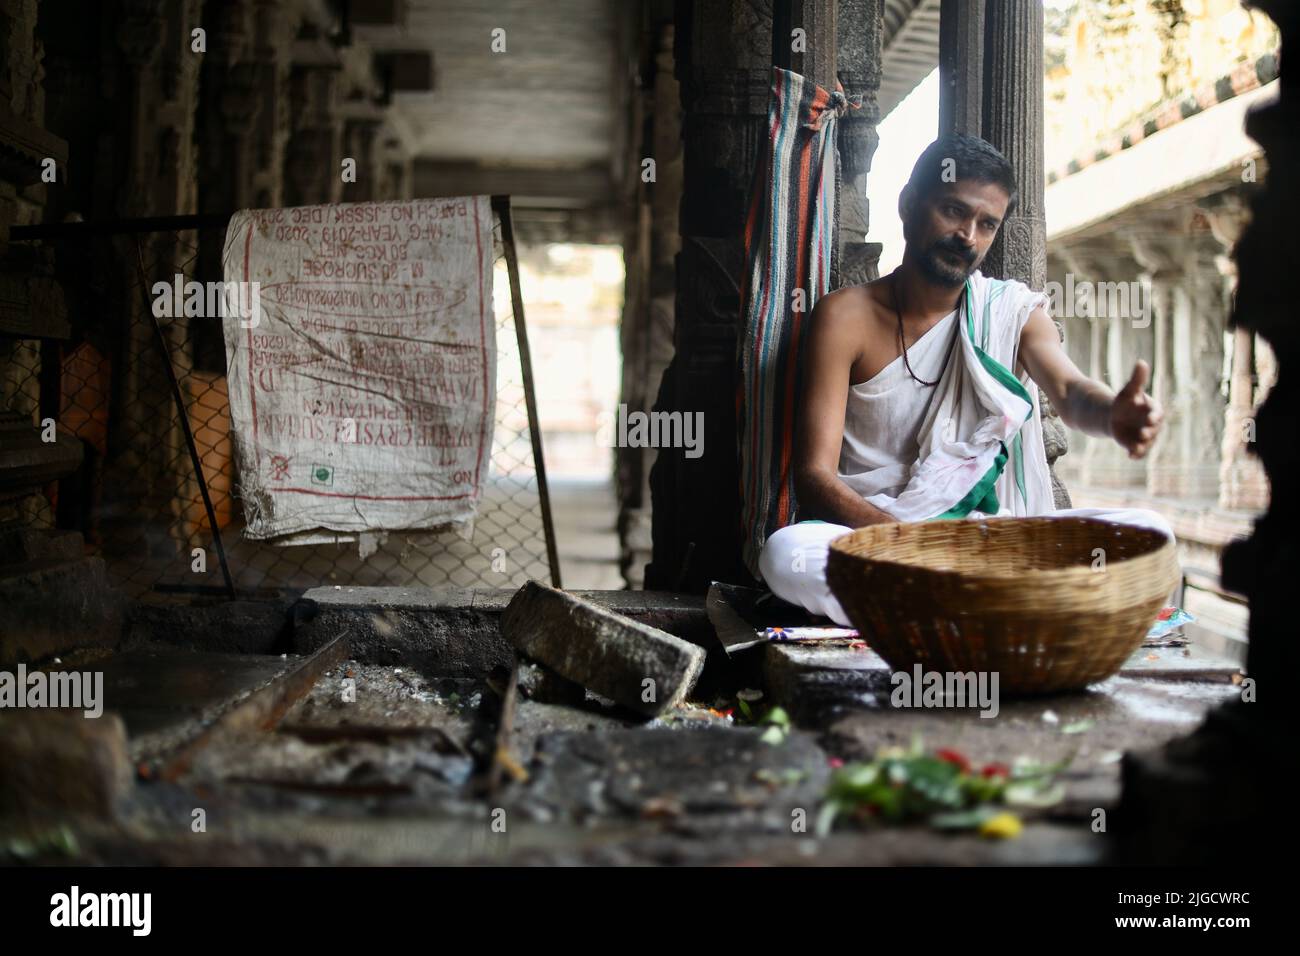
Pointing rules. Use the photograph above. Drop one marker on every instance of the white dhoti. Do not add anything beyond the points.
(970, 446)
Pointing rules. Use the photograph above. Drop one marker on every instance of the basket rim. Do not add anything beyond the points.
(1064, 575)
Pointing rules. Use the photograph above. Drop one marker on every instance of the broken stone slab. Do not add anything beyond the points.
(640, 667)
(58, 764)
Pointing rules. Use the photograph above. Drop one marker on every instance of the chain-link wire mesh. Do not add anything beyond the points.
(20, 371)
(137, 501)
(20, 393)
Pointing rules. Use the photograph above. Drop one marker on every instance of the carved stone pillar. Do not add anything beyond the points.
(1013, 122)
(961, 67)
(724, 59)
(859, 31)
(996, 51)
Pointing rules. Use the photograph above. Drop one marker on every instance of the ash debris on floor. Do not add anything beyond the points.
(356, 762)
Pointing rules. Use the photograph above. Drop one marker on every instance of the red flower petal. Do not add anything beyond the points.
(954, 757)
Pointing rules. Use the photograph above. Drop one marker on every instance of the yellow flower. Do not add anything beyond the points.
(1003, 826)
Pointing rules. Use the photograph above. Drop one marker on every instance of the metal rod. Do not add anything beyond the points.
(501, 206)
(261, 710)
(185, 426)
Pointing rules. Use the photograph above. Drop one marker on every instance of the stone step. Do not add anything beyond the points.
(807, 677)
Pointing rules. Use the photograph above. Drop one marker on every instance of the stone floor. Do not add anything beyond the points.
(586, 533)
(378, 764)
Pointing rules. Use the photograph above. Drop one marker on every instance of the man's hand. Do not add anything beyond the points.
(1135, 416)
(1131, 417)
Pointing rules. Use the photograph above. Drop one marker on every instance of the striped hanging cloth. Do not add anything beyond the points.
(789, 235)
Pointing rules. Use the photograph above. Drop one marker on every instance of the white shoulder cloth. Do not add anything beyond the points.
(981, 441)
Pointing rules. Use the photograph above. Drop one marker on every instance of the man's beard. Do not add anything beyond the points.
(941, 270)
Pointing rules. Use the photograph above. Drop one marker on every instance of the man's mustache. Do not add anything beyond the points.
(965, 253)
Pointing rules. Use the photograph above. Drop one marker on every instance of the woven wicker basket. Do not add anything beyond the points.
(1025, 597)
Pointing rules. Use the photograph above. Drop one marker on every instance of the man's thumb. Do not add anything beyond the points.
(1138, 380)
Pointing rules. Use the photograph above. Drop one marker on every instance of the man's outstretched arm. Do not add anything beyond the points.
(831, 350)
(1129, 416)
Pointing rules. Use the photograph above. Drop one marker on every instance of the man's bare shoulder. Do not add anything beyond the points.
(848, 311)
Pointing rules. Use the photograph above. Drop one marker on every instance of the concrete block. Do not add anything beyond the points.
(609, 654)
(810, 680)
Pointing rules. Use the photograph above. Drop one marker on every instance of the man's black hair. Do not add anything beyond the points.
(971, 158)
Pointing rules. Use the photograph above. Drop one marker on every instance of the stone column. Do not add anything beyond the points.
(1013, 122)
(1204, 353)
(991, 62)
(312, 170)
(1188, 358)
(647, 333)
(961, 67)
(147, 466)
(240, 103)
(274, 28)
(360, 133)
(1243, 485)
(230, 107)
(859, 32)
(1095, 470)
(1167, 455)
(724, 60)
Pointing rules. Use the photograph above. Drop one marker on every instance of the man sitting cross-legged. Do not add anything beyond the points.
(920, 393)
